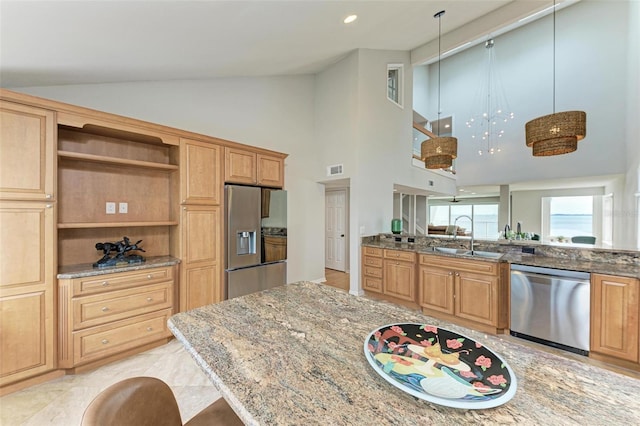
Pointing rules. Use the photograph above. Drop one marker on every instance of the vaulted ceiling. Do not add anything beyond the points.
(55, 42)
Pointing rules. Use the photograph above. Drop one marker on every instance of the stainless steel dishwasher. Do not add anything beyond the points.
(551, 306)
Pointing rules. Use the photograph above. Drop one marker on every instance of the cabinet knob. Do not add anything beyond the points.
(49, 206)
(149, 276)
(450, 273)
(149, 299)
(105, 283)
(149, 328)
(184, 208)
(457, 274)
(105, 308)
(48, 196)
(105, 341)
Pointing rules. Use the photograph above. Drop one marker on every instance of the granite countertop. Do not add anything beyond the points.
(294, 355)
(572, 264)
(87, 270)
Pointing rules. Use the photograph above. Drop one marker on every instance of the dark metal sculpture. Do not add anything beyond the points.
(121, 257)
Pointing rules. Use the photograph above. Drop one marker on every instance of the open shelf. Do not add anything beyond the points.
(114, 160)
(83, 225)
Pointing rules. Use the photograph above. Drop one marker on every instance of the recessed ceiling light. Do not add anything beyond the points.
(349, 19)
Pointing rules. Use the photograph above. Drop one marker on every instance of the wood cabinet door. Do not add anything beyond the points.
(614, 316)
(239, 166)
(270, 171)
(399, 280)
(476, 297)
(27, 329)
(201, 237)
(200, 172)
(27, 231)
(200, 282)
(435, 289)
(200, 286)
(27, 163)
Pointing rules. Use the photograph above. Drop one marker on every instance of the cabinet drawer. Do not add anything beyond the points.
(373, 261)
(99, 342)
(120, 280)
(456, 264)
(372, 284)
(102, 308)
(373, 251)
(373, 272)
(405, 256)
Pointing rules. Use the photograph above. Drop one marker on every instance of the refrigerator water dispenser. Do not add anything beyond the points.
(245, 242)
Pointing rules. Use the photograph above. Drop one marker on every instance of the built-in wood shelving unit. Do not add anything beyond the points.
(115, 161)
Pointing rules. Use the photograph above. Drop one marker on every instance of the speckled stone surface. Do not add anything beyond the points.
(87, 269)
(293, 355)
(624, 263)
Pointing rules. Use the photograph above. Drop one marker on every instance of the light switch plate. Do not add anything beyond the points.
(123, 208)
(111, 208)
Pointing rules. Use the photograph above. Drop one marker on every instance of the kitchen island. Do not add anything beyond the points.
(294, 355)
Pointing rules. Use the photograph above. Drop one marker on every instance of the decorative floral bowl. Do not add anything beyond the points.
(440, 366)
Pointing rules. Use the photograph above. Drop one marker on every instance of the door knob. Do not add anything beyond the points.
(342, 235)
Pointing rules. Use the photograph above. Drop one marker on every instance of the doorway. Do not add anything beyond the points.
(336, 229)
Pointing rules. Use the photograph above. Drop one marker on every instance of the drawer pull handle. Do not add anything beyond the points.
(149, 276)
(105, 341)
(149, 328)
(149, 299)
(105, 308)
(105, 283)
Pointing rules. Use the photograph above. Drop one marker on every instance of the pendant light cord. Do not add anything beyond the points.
(439, 16)
(554, 56)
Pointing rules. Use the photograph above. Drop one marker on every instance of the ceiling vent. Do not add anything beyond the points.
(335, 170)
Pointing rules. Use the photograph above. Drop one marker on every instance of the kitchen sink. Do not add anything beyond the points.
(449, 250)
(466, 252)
(486, 254)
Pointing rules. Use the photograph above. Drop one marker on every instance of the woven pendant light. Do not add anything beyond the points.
(438, 153)
(556, 133)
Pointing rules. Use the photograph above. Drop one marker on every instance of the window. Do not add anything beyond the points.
(569, 216)
(395, 77)
(485, 217)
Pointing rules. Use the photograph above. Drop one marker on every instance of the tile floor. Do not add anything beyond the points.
(62, 401)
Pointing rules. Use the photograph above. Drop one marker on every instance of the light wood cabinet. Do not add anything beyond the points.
(399, 274)
(27, 162)
(103, 316)
(201, 225)
(200, 172)
(460, 289)
(615, 323)
(28, 237)
(372, 269)
(201, 269)
(270, 171)
(240, 166)
(252, 168)
(27, 306)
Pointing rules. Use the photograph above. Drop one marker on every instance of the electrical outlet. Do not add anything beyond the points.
(111, 208)
(123, 208)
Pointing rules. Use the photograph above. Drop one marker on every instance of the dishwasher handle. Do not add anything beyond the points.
(551, 272)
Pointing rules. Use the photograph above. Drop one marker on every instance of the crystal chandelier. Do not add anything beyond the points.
(488, 125)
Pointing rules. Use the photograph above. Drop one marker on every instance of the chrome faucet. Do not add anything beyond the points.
(455, 232)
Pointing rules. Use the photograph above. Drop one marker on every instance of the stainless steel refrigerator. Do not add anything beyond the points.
(256, 239)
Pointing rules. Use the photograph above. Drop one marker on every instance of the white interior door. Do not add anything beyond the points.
(335, 229)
